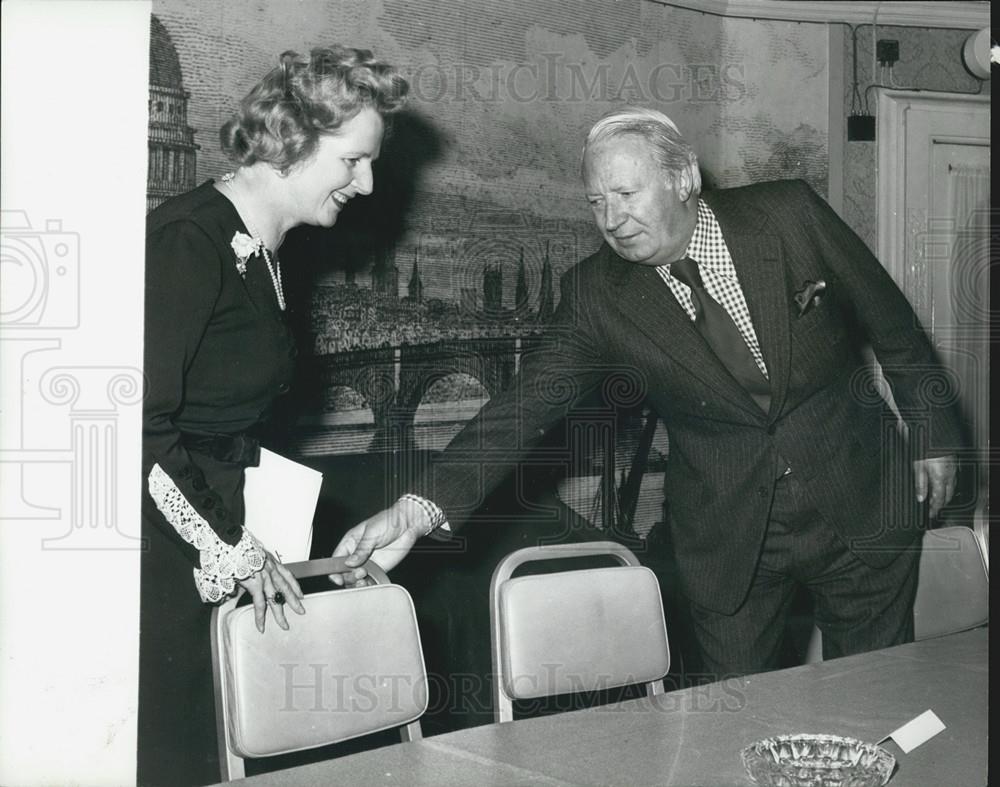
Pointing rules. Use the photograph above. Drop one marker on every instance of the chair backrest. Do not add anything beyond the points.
(572, 631)
(351, 666)
(953, 586)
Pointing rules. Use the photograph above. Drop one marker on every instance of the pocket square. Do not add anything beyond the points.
(810, 295)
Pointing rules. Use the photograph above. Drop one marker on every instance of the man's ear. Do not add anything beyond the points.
(688, 182)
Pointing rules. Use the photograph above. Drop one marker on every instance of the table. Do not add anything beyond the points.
(693, 737)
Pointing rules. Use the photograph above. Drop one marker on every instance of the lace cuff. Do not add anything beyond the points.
(221, 564)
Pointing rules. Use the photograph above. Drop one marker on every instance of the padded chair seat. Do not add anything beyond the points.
(296, 689)
(953, 586)
(560, 631)
(575, 631)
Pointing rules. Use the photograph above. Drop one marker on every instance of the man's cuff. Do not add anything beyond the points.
(435, 516)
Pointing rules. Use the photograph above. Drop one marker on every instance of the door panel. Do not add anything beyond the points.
(933, 231)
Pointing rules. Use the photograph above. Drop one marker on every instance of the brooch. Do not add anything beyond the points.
(245, 247)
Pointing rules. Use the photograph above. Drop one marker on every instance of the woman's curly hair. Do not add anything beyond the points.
(282, 118)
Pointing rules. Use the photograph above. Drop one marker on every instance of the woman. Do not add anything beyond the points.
(218, 352)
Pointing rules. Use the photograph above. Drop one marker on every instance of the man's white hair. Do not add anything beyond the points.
(670, 149)
(622, 117)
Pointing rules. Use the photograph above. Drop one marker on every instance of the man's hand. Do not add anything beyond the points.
(386, 537)
(939, 473)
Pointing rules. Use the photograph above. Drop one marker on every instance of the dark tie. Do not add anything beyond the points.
(722, 335)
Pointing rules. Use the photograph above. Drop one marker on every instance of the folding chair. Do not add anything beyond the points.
(351, 666)
(573, 631)
(953, 587)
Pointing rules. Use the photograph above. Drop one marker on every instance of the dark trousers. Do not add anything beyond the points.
(857, 607)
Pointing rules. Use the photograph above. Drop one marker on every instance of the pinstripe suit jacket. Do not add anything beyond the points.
(618, 326)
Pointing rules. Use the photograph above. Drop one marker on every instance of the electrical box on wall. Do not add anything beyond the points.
(886, 51)
(861, 128)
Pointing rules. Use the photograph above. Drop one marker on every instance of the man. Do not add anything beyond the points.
(742, 315)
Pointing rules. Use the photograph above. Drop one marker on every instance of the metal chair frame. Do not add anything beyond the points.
(232, 764)
(503, 706)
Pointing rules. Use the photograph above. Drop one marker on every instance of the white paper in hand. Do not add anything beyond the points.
(280, 497)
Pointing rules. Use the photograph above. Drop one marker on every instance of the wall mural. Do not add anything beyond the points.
(418, 305)
(172, 151)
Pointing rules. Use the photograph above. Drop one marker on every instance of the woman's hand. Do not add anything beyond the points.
(264, 587)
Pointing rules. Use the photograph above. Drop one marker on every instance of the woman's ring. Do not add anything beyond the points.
(278, 598)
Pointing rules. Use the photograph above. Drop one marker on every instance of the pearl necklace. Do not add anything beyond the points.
(275, 268)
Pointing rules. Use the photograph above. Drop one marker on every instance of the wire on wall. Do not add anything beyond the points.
(855, 94)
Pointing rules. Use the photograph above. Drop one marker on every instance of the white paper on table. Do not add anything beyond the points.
(919, 730)
(280, 497)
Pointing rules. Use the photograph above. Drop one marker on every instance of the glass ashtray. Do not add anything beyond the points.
(817, 761)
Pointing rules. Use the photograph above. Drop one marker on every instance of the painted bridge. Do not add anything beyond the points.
(394, 380)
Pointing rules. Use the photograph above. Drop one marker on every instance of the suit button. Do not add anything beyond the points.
(283, 388)
(209, 503)
(762, 491)
(772, 429)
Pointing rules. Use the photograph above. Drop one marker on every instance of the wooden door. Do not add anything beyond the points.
(933, 237)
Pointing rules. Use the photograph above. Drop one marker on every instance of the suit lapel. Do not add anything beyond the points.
(757, 256)
(645, 300)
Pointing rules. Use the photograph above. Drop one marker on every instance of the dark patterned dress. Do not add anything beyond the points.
(218, 353)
